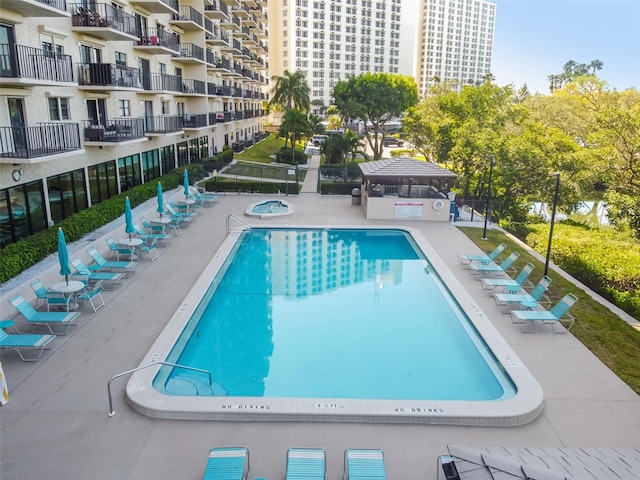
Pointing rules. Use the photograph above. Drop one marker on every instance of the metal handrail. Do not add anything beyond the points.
(237, 219)
(112, 412)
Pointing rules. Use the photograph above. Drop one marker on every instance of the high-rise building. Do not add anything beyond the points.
(333, 40)
(455, 41)
(100, 96)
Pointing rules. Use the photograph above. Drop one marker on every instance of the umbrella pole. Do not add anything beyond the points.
(66, 279)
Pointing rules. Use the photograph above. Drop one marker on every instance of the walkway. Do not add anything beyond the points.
(310, 184)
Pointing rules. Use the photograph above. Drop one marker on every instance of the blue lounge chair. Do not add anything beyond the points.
(364, 464)
(467, 259)
(503, 268)
(529, 320)
(150, 248)
(185, 216)
(46, 319)
(158, 236)
(25, 341)
(527, 300)
(113, 246)
(231, 463)
(91, 277)
(174, 226)
(306, 464)
(513, 285)
(105, 265)
(94, 296)
(40, 290)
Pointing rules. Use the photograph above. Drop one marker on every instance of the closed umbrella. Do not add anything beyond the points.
(63, 256)
(185, 179)
(160, 209)
(128, 218)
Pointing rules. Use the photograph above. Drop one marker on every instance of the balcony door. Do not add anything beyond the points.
(97, 111)
(7, 52)
(18, 123)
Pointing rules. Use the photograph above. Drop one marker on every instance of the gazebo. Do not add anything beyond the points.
(403, 187)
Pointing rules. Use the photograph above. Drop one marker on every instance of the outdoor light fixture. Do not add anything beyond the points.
(553, 219)
(488, 211)
(17, 174)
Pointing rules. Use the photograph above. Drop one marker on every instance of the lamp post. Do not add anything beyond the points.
(215, 180)
(488, 212)
(553, 219)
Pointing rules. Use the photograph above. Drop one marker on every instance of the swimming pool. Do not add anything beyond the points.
(351, 324)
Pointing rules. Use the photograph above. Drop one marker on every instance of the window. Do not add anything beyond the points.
(102, 181)
(124, 108)
(121, 59)
(165, 107)
(58, 109)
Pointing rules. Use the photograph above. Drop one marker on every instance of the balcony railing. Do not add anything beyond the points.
(197, 87)
(38, 8)
(193, 120)
(103, 15)
(189, 14)
(162, 82)
(158, 38)
(116, 130)
(39, 141)
(163, 124)
(109, 74)
(20, 61)
(213, 118)
(190, 51)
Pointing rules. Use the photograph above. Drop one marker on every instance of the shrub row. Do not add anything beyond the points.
(601, 259)
(337, 188)
(247, 186)
(28, 251)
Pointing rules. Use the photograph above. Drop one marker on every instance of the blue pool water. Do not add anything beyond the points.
(271, 206)
(332, 313)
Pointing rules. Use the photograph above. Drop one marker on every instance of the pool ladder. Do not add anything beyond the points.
(150, 364)
(238, 220)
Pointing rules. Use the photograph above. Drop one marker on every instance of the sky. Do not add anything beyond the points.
(535, 38)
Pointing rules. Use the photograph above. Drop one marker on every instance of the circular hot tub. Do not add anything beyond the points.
(269, 208)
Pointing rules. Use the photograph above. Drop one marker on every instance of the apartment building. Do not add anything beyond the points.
(333, 40)
(455, 41)
(97, 97)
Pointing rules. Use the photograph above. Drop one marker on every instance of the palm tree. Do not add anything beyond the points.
(354, 145)
(290, 90)
(294, 125)
(596, 65)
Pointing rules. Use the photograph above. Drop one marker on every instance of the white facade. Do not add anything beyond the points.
(98, 97)
(455, 41)
(333, 40)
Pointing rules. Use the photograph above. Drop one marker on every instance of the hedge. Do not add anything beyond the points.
(337, 188)
(248, 186)
(602, 259)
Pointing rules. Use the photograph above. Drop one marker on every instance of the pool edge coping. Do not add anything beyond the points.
(522, 408)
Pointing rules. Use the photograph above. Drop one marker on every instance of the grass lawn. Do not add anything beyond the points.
(262, 151)
(610, 338)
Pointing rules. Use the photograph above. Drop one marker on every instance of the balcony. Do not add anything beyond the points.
(161, 82)
(114, 132)
(190, 54)
(221, 63)
(157, 6)
(37, 8)
(217, 37)
(103, 21)
(189, 19)
(193, 87)
(217, 11)
(212, 118)
(193, 121)
(224, 117)
(44, 139)
(25, 66)
(230, 24)
(157, 41)
(108, 76)
(154, 126)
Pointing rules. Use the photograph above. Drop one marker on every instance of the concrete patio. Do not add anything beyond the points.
(56, 424)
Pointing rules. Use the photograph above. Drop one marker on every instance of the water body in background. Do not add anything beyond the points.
(590, 212)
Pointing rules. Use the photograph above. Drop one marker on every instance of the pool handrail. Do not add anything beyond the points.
(151, 363)
(238, 220)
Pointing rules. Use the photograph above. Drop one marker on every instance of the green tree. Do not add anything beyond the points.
(295, 125)
(290, 90)
(375, 98)
(338, 147)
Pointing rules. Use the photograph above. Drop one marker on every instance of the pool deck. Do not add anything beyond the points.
(56, 424)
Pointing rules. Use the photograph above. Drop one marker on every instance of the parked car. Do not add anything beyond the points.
(318, 140)
(392, 142)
